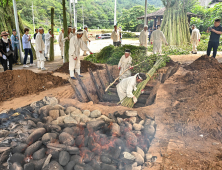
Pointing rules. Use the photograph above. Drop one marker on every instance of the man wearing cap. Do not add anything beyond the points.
(47, 43)
(195, 38)
(143, 38)
(115, 36)
(61, 42)
(15, 44)
(156, 39)
(64, 39)
(40, 47)
(85, 38)
(126, 87)
(6, 48)
(124, 64)
(75, 44)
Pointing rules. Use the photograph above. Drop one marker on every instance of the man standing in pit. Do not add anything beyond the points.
(115, 36)
(216, 31)
(85, 38)
(143, 38)
(195, 38)
(124, 64)
(40, 47)
(126, 87)
(156, 38)
(76, 43)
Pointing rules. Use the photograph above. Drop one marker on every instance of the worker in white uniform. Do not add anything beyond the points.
(195, 38)
(70, 35)
(115, 36)
(156, 39)
(124, 64)
(143, 38)
(47, 43)
(76, 43)
(40, 47)
(61, 42)
(85, 38)
(126, 87)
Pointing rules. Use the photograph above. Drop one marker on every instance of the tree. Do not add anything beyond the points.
(175, 24)
(52, 38)
(66, 55)
(129, 21)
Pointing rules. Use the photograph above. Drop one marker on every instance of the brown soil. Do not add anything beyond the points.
(203, 63)
(198, 100)
(170, 63)
(18, 83)
(85, 65)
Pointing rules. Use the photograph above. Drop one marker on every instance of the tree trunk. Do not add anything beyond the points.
(52, 38)
(66, 53)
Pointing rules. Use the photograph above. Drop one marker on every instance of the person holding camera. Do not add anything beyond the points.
(6, 51)
(216, 31)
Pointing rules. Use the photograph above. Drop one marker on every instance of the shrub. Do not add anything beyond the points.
(128, 35)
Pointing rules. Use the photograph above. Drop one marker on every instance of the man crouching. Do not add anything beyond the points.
(126, 87)
(75, 44)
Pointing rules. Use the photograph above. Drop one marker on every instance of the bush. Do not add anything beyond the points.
(204, 37)
(129, 35)
(202, 45)
(111, 55)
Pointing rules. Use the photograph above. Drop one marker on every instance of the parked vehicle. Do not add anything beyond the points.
(103, 36)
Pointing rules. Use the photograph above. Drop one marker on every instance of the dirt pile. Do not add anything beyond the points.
(203, 63)
(18, 83)
(198, 100)
(85, 65)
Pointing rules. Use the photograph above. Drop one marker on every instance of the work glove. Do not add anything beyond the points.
(66, 38)
(151, 43)
(142, 91)
(130, 68)
(119, 68)
(134, 99)
(91, 52)
(199, 40)
(135, 88)
(75, 58)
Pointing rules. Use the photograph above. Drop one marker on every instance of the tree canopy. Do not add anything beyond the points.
(97, 13)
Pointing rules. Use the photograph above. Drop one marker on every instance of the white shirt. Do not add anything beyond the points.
(143, 37)
(195, 36)
(74, 46)
(128, 85)
(47, 39)
(39, 43)
(85, 36)
(115, 36)
(158, 35)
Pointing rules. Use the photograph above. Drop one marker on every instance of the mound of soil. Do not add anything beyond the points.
(170, 63)
(18, 83)
(203, 63)
(85, 65)
(198, 100)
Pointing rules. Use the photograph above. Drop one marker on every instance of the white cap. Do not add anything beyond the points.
(145, 26)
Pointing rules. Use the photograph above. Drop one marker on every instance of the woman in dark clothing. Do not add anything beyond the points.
(5, 46)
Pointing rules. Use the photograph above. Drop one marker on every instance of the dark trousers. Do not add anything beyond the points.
(116, 44)
(5, 63)
(214, 45)
(15, 54)
(28, 51)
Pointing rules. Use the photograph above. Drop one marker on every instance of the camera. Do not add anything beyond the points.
(210, 29)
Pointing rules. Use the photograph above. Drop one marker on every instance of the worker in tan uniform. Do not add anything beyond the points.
(143, 38)
(124, 64)
(156, 39)
(64, 39)
(115, 36)
(195, 38)
(85, 38)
